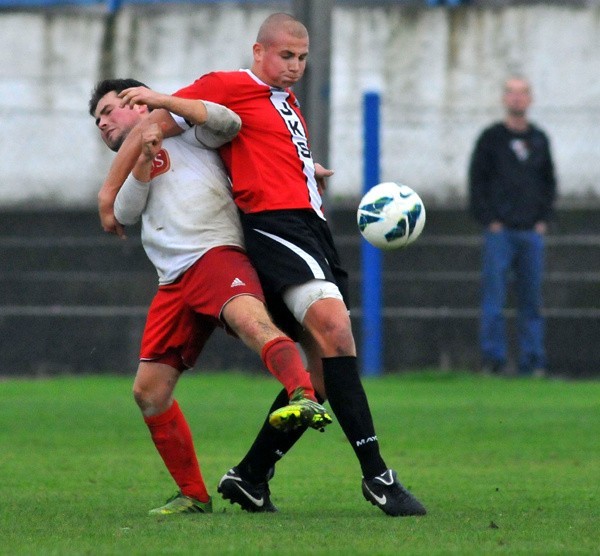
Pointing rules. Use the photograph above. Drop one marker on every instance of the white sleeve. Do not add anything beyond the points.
(221, 126)
(131, 201)
(181, 121)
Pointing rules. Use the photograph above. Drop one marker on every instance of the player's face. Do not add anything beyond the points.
(282, 62)
(113, 121)
(517, 97)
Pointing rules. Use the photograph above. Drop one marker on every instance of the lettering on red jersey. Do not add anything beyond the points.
(160, 164)
(299, 137)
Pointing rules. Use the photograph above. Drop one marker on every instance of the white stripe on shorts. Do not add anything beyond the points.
(308, 259)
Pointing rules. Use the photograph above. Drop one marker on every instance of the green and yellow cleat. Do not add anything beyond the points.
(182, 504)
(300, 412)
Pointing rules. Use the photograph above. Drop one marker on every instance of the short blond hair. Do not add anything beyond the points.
(277, 22)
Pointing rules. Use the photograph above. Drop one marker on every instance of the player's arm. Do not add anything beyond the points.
(193, 111)
(222, 124)
(220, 127)
(217, 125)
(132, 197)
(123, 164)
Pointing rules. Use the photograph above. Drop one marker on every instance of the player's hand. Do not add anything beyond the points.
(541, 227)
(320, 174)
(107, 217)
(141, 95)
(152, 138)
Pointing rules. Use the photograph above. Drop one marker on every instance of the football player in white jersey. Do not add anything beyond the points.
(192, 234)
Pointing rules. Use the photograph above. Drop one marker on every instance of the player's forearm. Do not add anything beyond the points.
(194, 111)
(121, 167)
(142, 171)
(131, 200)
(217, 124)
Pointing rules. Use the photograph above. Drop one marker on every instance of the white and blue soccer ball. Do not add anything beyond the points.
(391, 215)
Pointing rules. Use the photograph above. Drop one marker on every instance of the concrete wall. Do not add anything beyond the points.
(439, 72)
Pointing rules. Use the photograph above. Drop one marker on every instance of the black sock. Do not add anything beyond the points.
(349, 403)
(269, 446)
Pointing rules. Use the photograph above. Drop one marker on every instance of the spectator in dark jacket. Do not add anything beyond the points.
(512, 191)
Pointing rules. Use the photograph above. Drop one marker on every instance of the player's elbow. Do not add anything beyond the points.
(126, 218)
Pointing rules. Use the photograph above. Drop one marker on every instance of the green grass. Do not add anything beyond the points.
(503, 466)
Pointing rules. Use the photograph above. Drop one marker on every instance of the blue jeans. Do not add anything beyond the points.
(522, 252)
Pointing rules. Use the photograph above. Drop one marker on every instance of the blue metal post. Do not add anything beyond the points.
(113, 6)
(371, 257)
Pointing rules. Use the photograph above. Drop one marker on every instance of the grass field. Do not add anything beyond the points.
(503, 466)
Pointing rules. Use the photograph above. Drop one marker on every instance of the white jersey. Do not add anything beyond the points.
(186, 209)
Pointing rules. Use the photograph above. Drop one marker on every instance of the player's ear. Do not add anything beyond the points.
(257, 51)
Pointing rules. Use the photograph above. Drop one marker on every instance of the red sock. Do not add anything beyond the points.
(173, 440)
(283, 360)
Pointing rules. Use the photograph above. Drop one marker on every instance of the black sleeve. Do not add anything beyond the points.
(479, 181)
(549, 177)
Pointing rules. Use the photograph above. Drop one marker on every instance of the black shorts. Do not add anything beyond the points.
(291, 247)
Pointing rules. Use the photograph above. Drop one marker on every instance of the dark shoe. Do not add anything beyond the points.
(252, 497)
(385, 492)
(492, 368)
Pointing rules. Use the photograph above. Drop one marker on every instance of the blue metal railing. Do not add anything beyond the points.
(113, 5)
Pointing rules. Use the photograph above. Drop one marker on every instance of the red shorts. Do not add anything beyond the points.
(183, 314)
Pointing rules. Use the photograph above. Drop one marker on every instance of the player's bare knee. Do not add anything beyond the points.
(153, 387)
(152, 402)
(335, 338)
(142, 397)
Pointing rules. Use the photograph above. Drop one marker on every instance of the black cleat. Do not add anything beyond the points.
(252, 497)
(385, 492)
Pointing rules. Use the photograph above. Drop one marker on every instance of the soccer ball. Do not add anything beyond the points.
(391, 216)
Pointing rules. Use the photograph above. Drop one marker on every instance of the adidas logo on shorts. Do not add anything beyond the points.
(237, 282)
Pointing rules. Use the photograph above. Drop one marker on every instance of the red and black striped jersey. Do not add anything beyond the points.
(269, 162)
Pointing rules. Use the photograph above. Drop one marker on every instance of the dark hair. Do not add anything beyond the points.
(108, 85)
